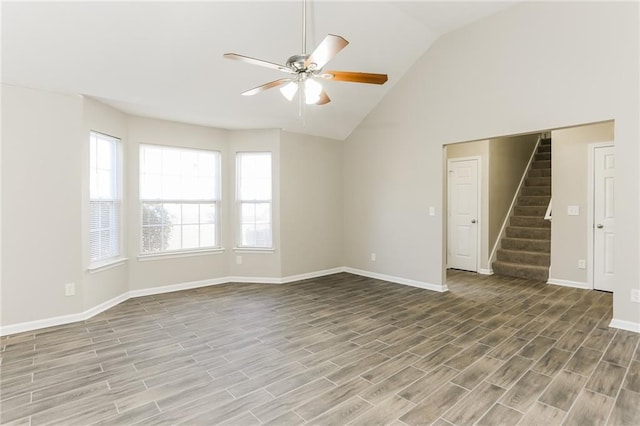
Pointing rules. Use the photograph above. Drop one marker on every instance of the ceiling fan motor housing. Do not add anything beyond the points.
(296, 63)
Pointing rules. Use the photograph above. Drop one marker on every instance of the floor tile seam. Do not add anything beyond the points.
(311, 398)
(333, 408)
(604, 352)
(626, 373)
(537, 401)
(50, 397)
(466, 395)
(403, 388)
(584, 388)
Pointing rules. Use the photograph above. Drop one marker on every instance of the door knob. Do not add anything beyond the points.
(599, 226)
(473, 221)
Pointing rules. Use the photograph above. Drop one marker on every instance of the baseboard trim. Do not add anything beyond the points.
(310, 275)
(485, 271)
(23, 327)
(568, 283)
(625, 325)
(71, 318)
(397, 280)
(176, 287)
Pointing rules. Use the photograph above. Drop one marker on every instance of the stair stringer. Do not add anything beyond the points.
(516, 195)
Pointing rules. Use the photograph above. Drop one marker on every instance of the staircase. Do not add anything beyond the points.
(526, 244)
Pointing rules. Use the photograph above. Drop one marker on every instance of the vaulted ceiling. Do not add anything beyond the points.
(164, 59)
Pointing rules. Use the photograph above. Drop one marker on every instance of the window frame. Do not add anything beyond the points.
(239, 203)
(117, 187)
(217, 202)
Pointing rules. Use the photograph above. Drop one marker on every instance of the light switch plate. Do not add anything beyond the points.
(432, 211)
(573, 210)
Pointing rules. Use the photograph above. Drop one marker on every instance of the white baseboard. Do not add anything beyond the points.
(567, 283)
(309, 275)
(625, 325)
(176, 287)
(485, 271)
(63, 319)
(68, 319)
(398, 280)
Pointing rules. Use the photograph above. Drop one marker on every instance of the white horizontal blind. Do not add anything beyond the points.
(253, 195)
(180, 199)
(104, 198)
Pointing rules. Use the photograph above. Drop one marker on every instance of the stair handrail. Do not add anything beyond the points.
(547, 215)
(492, 256)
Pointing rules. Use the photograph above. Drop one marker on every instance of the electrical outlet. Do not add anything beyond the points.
(373, 257)
(238, 260)
(635, 295)
(69, 289)
(432, 211)
(582, 264)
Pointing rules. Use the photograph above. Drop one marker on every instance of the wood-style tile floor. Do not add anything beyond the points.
(331, 351)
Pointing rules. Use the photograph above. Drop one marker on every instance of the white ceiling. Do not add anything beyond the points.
(164, 59)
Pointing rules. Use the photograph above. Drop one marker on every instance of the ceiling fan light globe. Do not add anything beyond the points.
(312, 91)
(289, 90)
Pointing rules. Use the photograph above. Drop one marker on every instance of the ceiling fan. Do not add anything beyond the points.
(306, 69)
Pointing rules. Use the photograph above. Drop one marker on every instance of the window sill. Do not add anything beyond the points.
(178, 254)
(107, 264)
(254, 250)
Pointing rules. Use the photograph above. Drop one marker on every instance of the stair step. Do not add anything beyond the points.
(544, 148)
(537, 181)
(538, 273)
(543, 246)
(524, 257)
(534, 200)
(539, 173)
(531, 222)
(543, 164)
(545, 141)
(534, 211)
(543, 156)
(537, 191)
(528, 233)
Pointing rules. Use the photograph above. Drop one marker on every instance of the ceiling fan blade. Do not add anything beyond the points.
(355, 77)
(266, 86)
(324, 99)
(258, 62)
(327, 49)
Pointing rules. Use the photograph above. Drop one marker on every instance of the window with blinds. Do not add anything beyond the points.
(180, 199)
(104, 198)
(253, 198)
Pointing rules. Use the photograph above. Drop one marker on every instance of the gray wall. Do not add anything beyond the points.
(503, 162)
(509, 158)
(311, 203)
(569, 158)
(499, 76)
(45, 206)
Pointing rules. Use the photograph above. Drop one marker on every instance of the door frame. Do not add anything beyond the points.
(591, 176)
(478, 159)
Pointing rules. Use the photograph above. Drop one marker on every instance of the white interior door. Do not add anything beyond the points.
(604, 167)
(462, 247)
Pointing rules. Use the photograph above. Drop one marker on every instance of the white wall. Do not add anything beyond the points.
(503, 162)
(569, 239)
(509, 158)
(578, 64)
(101, 285)
(160, 271)
(500, 76)
(41, 198)
(310, 203)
